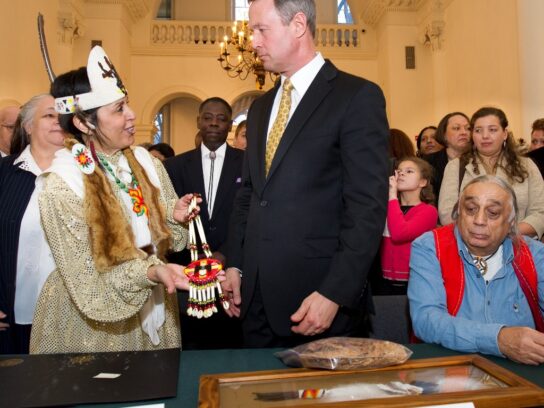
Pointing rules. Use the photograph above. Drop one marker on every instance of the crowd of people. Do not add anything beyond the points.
(95, 230)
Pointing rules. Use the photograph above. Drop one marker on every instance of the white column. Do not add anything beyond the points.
(531, 62)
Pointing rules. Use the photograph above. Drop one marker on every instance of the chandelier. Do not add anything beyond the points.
(238, 58)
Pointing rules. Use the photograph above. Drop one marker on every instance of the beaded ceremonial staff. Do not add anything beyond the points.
(202, 273)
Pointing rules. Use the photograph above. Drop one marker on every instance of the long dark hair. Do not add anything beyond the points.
(400, 144)
(513, 166)
(418, 141)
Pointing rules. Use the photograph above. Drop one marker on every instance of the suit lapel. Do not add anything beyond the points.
(313, 97)
(228, 174)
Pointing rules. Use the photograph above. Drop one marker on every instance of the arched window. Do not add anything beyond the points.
(162, 125)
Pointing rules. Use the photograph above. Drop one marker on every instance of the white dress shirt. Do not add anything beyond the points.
(301, 80)
(217, 167)
(34, 259)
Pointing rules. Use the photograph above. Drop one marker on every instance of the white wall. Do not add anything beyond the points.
(531, 59)
(479, 62)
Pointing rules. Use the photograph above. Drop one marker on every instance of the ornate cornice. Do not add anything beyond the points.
(433, 23)
(373, 10)
(70, 21)
(137, 9)
(431, 16)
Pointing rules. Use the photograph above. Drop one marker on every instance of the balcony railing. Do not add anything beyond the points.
(204, 34)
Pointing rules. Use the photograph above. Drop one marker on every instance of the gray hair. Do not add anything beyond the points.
(21, 138)
(514, 232)
(288, 8)
(28, 110)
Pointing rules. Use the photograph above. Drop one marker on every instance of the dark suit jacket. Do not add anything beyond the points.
(16, 187)
(316, 222)
(185, 171)
(538, 157)
(438, 161)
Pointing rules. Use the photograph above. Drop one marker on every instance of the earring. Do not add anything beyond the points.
(504, 144)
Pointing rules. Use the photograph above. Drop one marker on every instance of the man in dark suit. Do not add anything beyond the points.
(191, 172)
(309, 216)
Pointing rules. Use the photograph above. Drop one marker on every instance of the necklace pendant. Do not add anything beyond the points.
(481, 264)
(138, 204)
(203, 285)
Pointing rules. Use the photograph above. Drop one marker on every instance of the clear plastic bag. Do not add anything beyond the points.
(345, 353)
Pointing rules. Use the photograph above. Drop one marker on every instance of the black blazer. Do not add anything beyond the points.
(538, 157)
(16, 187)
(315, 223)
(185, 171)
(438, 161)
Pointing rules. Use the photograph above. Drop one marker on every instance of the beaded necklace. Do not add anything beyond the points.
(134, 190)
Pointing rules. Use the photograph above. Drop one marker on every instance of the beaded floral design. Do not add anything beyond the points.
(138, 204)
(83, 158)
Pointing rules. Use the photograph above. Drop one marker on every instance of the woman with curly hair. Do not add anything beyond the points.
(493, 152)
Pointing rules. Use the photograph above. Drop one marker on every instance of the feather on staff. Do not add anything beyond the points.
(43, 48)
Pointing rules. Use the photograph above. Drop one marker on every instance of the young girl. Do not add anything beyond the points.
(406, 220)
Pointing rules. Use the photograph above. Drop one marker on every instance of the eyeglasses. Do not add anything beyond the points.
(10, 127)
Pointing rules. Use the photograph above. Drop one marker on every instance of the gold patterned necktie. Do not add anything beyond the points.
(279, 124)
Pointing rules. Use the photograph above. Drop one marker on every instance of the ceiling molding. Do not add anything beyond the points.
(137, 9)
(70, 21)
(373, 10)
(432, 26)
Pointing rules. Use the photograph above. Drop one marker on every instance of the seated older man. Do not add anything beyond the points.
(476, 285)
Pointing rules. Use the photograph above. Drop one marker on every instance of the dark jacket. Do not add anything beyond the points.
(16, 188)
(185, 171)
(315, 223)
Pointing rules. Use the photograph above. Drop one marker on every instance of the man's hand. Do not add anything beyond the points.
(314, 315)
(3, 326)
(522, 345)
(231, 290)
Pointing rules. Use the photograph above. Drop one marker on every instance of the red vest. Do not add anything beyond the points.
(454, 276)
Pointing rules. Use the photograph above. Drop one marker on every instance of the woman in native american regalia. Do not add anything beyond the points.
(110, 214)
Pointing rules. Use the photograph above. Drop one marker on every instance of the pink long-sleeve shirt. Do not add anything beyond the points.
(401, 230)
